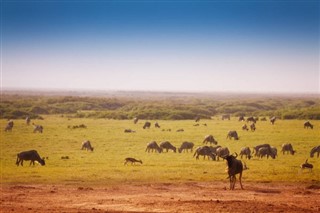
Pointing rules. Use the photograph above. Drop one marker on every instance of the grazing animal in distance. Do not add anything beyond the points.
(156, 125)
(273, 120)
(266, 151)
(245, 151)
(253, 127)
(256, 148)
(153, 146)
(222, 152)
(132, 161)
(314, 150)
(129, 131)
(241, 118)
(204, 151)
(31, 155)
(263, 119)
(233, 134)
(234, 167)
(166, 145)
(225, 117)
(251, 119)
(28, 120)
(9, 126)
(287, 148)
(308, 125)
(186, 146)
(180, 130)
(147, 124)
(87, 146)
(210, 139)
(135, 120)
(245, 127)
(306, 165)
(37, 128)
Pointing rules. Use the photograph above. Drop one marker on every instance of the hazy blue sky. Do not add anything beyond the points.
(255, 46)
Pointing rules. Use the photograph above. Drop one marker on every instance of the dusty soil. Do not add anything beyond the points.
(162, 197)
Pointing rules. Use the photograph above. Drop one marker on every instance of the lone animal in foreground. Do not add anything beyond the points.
(9, 126)
(233, 134)
(234, 167)
(31, 155)
(245, 151)
(210, 139)
(166, 145)
(37, 128)
(308, 125)
(273, 120)
(147, 124)
(306, 165)
(87, 146)
(314, 150)
(204, 151)
(132, 161)
(153, 146)
(287, 148)
(186, 146)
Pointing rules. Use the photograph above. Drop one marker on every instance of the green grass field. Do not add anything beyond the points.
(105, 165)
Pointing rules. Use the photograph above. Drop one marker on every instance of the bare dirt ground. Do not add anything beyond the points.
(162, 197)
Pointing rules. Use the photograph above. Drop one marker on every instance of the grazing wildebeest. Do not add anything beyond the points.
(180, 130)
(9, 126)
(234, 167)
(166, 145)
(308, 125)
(204, 151)
(266, 151)
(233, 134)
(87, 146)
(274, 151)
(253, 127)
(210, 139)
(129, 131)
(132, 161)
(263, 119)
(306, 165)
(135, 120)
(245, 127)
(225, 117)
(186, 146)
(196, 124)
(314, 150)
(147, 124)
(245, 151)
(37, 128)
(241, 118)
(287, 147)
(256, 148)
(197, 119)
(222, 152)
(251, 119)
(31, 155)
(28, 120)
(273, 120)
(156, 125)
(153, 146)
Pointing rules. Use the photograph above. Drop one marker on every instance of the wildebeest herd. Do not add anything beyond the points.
(235, 166)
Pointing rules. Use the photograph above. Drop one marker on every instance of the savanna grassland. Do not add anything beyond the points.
(164, 180)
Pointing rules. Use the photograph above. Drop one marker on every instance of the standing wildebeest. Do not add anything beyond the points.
(314, 150)
(251, 119)
(147, 124)
(308, 125)
(204, 151)
(9, 126)
(256, 148)
(87, 146)
(225, 117)
(245, 127)
(31, 155)
(37, 128)
(287, 147)
(28, 120)
(186, 146)
(135, 120)
(222, 152)
(210, 139)
(266, 151)
(132, 161)
(241, 118)
(273, 120)
(253, 127)
(167, 145)
(233, 134)
(153, 146)
(156, 125)
(245, 151)
(234, 167)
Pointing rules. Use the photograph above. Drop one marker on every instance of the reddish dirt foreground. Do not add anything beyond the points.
(162, 197)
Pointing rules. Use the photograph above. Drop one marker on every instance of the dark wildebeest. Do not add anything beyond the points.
(37, 128)
(197, 119)
(273, 120)
(256, 148)
(28, 120)
(225, 117)
(186, 146)
(9, 126)
(314, 150)
(129, 131)
(210, 139)
(287, 147)
(266, 151)
(135, 120)
(251, 119)
(241, 118)
(233, 134)
(306, 165)
(253, 127)
(87, 146)
(132, 161)
(245, 151)
(166, 145)
(156, 125)
(222, 152)
(234, 167)
(153, 146)
(204, 151)
(245, 127)
(31, 155)
(147, 124)
(180, 130)
(308, 125)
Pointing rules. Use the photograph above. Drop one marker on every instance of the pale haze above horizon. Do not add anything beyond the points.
(210, 46)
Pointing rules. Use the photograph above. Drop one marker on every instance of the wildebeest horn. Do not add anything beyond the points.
(236, 155)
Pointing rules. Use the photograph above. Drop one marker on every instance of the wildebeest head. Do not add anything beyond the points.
(42, 162)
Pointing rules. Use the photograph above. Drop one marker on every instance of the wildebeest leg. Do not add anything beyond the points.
(240, 176)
